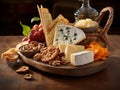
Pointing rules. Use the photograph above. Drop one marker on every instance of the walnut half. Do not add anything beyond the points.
(23, 69)
(28, 76)
(55, 62)
(49, 53)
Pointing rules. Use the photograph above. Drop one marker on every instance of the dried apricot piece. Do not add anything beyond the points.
(99, 54)
(99, 51)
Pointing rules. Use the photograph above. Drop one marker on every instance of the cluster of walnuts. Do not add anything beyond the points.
(50, 54)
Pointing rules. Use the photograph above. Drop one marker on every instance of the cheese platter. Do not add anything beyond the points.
(59, 47)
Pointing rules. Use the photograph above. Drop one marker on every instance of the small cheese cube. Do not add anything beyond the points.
(82, 58)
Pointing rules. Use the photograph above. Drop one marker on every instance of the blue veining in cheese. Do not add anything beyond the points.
(68, 34)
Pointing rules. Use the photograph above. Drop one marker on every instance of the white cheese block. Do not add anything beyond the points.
(68, 34)
(72, 49)
(82, 58)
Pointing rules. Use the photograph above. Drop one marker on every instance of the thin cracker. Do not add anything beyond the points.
(46, 19)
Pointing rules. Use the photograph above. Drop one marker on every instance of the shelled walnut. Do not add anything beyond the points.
(50, 55)
(28, 76)
(47, 54)
(23, 69)
(55, 63)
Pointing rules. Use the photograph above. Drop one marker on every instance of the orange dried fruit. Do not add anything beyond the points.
(100, 53)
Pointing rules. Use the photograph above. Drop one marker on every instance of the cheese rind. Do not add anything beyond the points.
(72, 49)
(68, 34)
(82, 58)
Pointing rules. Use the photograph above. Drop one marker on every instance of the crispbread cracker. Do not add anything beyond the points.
(58, 21)
(46, 20)
(45, 16)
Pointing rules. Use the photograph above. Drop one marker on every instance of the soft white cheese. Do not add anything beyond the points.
(68, 34)
(82, 58)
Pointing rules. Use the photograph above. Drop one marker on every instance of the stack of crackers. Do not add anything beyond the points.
(49, 25)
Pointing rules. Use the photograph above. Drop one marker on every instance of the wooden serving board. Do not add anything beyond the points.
(68, 69)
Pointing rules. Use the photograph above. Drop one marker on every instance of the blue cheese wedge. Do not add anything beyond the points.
(82, 58)
(68, 34)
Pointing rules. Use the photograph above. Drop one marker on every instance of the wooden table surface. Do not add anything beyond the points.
(107, 79)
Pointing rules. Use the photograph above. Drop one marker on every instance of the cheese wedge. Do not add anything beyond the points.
(82, 58)
(62, 47)
(72, 49)
(68, 34)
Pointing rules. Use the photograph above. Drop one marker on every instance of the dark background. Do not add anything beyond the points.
(13, 11)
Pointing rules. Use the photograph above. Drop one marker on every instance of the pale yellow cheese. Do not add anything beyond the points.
(72, 49)
(85, 23)
(62, 47)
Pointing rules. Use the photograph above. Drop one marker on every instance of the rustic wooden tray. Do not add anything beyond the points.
(68, 69)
